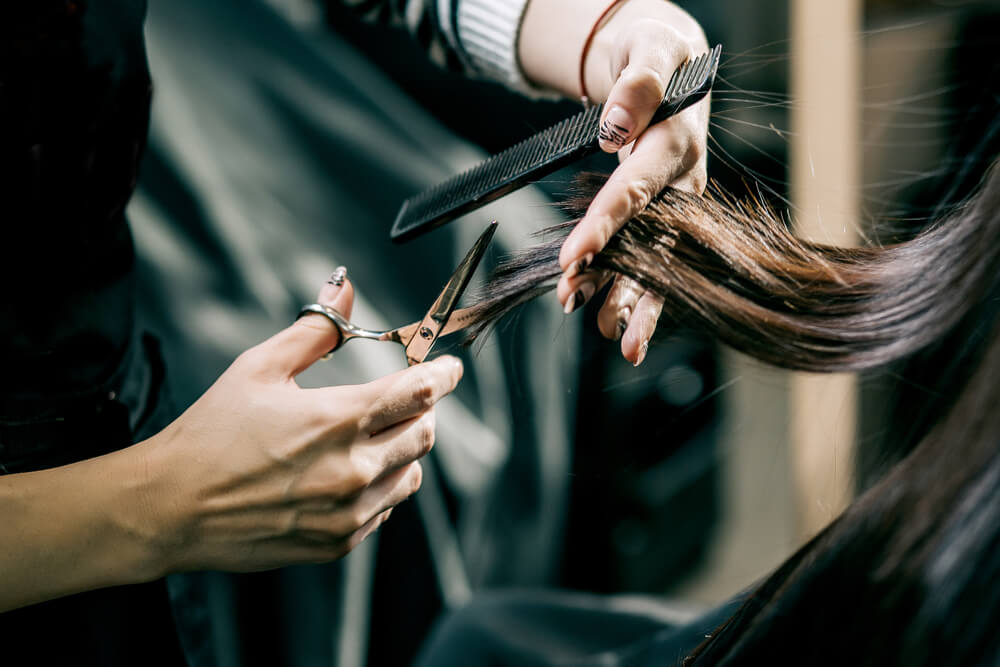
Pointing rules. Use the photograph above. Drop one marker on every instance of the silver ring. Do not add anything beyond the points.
(334, 316)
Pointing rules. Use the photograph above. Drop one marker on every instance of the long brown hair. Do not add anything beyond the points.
(909, 574)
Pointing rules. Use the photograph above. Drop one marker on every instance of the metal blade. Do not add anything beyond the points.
(436, 319)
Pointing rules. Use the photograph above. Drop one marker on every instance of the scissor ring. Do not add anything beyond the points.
(334, 316)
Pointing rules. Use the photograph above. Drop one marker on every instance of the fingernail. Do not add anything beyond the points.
(580, 297)
(643, 349)
(570, 304)
(579, 266)
(624, 315)
(337, 277)
(616, 128)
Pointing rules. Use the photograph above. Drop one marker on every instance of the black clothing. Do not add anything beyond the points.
(74, 110)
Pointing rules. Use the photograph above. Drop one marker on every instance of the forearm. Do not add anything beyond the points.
(553, 34)
(74, 528)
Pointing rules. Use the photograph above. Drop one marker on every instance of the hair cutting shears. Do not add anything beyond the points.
(442, 319)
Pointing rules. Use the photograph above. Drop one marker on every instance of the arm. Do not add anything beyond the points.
(66, 530)
(257, 474)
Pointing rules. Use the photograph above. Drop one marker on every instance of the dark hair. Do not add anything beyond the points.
(909, 574)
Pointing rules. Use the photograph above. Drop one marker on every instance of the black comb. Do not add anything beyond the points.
(539, 155)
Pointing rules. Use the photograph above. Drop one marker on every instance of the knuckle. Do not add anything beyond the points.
(416, 478)
(426, 432)
(356, 520)
(694, 152)
(636, 193)
(358, 475)
(344, 427)
(699, 179)
(323, 487)
(423, 391)
(648, 34)
(644, 81)
(346, 521)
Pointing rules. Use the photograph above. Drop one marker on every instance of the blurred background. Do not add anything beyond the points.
(285, 135)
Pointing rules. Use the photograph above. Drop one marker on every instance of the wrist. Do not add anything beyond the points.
(600, 63)
(141, 515)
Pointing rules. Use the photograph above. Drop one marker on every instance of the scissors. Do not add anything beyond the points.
(442, 319)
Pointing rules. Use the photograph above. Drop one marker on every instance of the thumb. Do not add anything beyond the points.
(312, 336)
(653, 52)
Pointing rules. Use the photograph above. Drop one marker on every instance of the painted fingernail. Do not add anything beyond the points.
(616, 128)
(338, 276)
(623, 317)
(570, 304)
(643, 349)
(579, 266)
(580, 297)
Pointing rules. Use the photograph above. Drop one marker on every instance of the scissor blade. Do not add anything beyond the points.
(460, 319)
(436, 319)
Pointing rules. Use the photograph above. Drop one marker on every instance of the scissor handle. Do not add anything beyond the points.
(348, 329)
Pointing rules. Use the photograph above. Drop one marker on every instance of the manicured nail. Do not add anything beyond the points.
(579, 266)
(570, 304)
(643, 349)
(580, 297)
(338, 276)
(623, 317)
(616, 128)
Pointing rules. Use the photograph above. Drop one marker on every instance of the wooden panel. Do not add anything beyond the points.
(825, 163)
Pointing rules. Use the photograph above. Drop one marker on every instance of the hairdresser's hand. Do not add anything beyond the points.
(632, 56)
(260, 473)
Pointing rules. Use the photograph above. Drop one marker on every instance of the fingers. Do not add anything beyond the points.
(345, 520)
(664, 154)
(400, 444)
(642, 324)
(653, 50)
(630, 314)
(312, 336)
(580, 289)
(614, 316)
(407, 394)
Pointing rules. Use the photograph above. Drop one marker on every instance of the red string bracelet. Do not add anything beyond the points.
(586, 47)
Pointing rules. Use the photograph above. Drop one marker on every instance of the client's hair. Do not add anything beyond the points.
(909, 574)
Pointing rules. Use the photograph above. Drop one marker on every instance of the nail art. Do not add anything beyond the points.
(616, 128)
(578, 267)
(337, 277)
(643, 349)
(612, 134)
(581, 296)
(570, 304)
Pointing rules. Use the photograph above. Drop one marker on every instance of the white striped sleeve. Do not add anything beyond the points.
(477, 36)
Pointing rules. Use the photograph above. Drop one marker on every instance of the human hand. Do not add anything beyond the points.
(629, 62)
(260, 473)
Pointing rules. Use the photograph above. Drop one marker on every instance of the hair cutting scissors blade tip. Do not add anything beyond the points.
(436, 319)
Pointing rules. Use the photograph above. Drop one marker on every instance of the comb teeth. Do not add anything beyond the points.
(539, 155)
(550, 149)
(689, 84)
